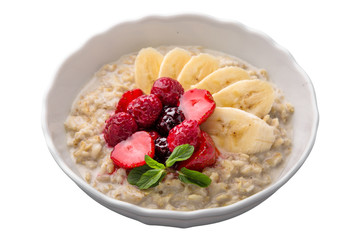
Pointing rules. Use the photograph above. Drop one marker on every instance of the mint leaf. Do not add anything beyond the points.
(153, 163)
(180, 153)
(151, 178)
(194, 177)
(136, 173)
(151, 174)
(161, 178)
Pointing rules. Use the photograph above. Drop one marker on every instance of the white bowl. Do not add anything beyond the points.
(232, 38)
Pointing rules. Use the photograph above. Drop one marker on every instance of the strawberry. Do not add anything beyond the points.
(126, 98)
(131, 152)
(187, 132)
(205, 156)
(197, 104)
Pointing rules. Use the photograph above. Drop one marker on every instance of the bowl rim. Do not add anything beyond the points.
(195, 214)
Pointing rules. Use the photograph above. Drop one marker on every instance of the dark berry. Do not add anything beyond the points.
(119, 127)
(145, 110)
(187, 132)
(162, 151)
(170, 117)
(126, 98)
(168, 91)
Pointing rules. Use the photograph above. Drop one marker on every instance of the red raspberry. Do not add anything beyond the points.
(168, 91)
(204, 157)
(119, 127)
(187, 132)
(145, 110)
(126, 98)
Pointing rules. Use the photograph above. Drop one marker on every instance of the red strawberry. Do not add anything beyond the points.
(126, 98)
(168, 91)
(187, 132)
(119, 127)
(145, 110)
(197, 104)
(205, 156)
(131, 152)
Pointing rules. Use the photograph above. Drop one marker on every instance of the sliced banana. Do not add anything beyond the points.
(174, 62)
(197, 69)
(237, 131)
(253, 96)
(147, 65)
(222, 78)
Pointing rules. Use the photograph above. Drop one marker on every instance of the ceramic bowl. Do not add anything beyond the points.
(232, 38)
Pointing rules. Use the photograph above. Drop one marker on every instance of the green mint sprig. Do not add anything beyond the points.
(194, 177)
(151, 174)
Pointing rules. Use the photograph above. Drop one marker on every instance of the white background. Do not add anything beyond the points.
(39, 201)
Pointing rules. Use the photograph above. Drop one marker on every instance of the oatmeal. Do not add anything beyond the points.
(249, 127)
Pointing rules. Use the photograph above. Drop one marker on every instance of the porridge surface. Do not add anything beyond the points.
(234, 176)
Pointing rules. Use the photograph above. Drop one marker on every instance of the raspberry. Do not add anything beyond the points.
(145, 110)
(170, 117)
(162, 151)
(126, 98)
(168, 91)
(187, 132)
(119, 127)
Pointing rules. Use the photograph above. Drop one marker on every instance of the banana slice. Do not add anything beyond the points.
(253, 96)
(235, 130)
(147, 65)
(196, 69)
(174, 62)
(222, 78)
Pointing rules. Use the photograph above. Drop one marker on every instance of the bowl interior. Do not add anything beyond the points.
(233, 39)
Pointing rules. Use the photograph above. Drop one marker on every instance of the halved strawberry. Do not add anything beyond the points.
(126, 98)
(131, 152)
(197, 104)
(205, 156)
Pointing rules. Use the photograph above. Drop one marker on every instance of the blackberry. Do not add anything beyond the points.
(162, 151)
(170, 117)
